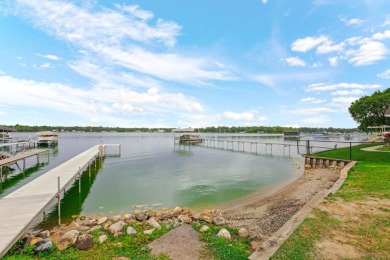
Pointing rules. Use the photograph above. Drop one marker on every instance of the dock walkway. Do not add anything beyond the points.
(19, 208)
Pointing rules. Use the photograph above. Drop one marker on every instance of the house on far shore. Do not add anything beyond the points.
(387, 112)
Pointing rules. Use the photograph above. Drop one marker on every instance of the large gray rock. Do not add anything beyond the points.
(102, 239)
(224, 233)
(84, 242)
(43, 245)
(130, 230)
(68, 239)
(219, 221)
(102, 220)
(204, 228)
(152, 222)
(116, 227)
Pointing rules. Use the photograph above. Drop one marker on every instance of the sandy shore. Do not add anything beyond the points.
(265, 213)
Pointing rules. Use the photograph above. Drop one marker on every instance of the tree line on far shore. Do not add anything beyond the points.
(211, 129)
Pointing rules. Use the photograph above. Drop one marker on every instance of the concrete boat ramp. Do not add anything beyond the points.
(19, 209)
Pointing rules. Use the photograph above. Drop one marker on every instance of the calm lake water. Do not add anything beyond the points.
(151, 171)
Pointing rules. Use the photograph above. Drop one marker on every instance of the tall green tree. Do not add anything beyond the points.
(370, 110)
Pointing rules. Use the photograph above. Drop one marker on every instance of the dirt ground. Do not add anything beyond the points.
(262, 216)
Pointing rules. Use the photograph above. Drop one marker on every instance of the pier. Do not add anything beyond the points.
(21, 207)
(22, 156)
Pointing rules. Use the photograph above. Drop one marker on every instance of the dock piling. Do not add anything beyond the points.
(59, 200)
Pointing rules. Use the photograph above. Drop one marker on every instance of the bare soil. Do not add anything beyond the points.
(263, 216)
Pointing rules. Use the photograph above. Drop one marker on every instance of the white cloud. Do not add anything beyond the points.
(352, 22)
(385, 74)
(368, 53)
(264, 1)
(316, 64)
(312, 100)
(382, 36)
(348, 92)
(105, 101)
(49, 56)
(387, 21)
(274, 80)
(238, 116)
(311, 111)
(333, 61)
(136, 11)
(45, 65)
(308, 43)
(262, 118)
(342, 102)
(329, 46)
(295, 61)
(115, 36)
(2, 113)
(328, 87)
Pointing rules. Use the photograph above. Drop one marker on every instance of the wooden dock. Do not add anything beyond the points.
(19, 209)
(21, 156)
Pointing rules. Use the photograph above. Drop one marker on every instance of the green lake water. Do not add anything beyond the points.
(153, 172)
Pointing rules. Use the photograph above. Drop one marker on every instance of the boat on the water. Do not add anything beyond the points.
(187, 136)
(47, 138)
(320, 133)
(5, 134)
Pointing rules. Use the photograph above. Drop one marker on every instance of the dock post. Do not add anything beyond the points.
(24, 164)
(37, 158)
(79, 180)
(120, 149)
(1, 174)
(59, 200)
(89, 168)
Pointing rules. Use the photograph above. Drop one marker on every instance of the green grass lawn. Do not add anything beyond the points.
(368, 181)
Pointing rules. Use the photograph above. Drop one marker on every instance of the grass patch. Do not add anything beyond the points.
(386, 149)
(368, 230)
(301, 243)
(222, 248)
(131, 246)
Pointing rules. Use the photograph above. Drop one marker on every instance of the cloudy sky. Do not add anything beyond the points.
(176, 63)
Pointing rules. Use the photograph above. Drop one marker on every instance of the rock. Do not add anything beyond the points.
(44, 234)
(91, 223)
(176, 211)
(127, 216)
(107, 225)
(254, 245)
(116, 227)
(204, 228)
(217, 213)
(102, 238)
(117, 234)
(140, 215)
(152, 222)
(120, 258)
(185, 219)
(130, 230)
(151, 213)
(34, 240)
(207, 212)
(131, 221)
(83, 229)
(84, 242)
(176, 224)
(95, 228)
(82, 218)
(43, 245)
(224, 233)
(102, 220)
(74, 225)
(116, 218)
(149, 231)
(207, 219)
(219, 221)
(68, 239)
(243, 232)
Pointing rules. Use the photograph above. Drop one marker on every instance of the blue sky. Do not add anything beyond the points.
(176, 63)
